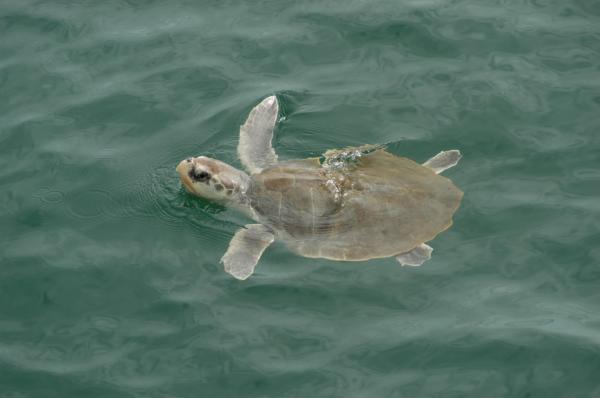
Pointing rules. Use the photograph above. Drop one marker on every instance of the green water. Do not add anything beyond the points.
(109, 278)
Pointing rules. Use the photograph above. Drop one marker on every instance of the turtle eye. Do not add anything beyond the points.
(201, 176)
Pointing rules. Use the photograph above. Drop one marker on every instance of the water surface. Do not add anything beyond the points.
(109, 278)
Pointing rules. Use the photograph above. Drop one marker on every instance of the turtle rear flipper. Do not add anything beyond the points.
(254, 148)
(416, 256)
(245, 249)
(443, 160)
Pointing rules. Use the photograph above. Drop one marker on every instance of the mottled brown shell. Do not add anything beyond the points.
(380, 206)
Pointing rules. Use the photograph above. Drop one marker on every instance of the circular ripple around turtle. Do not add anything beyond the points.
(159, 195)
(91, 203)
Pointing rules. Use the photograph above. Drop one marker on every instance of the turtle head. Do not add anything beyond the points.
(212, 179)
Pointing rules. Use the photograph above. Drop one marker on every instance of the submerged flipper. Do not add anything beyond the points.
(245, 249)
(254, 148)
(416, 256)
(443, 160)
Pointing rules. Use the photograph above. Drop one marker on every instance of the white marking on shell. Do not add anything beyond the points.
(333, 188)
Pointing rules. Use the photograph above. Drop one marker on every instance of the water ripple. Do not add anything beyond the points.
(110, 283)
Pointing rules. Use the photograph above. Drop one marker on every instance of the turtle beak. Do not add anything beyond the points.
(183, 169)
(182, 166)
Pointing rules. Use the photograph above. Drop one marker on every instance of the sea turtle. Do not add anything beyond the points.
(351, 204)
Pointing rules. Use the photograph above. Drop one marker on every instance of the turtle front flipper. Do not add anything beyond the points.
(443, 160)
(254, 148)
(416, 256)
(245, 249)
